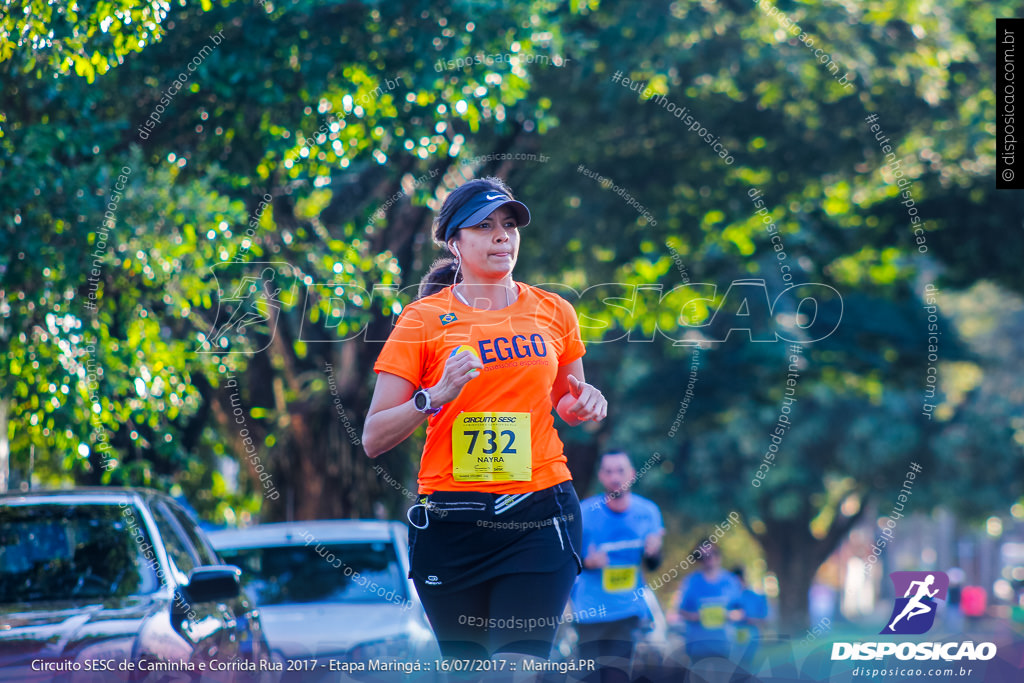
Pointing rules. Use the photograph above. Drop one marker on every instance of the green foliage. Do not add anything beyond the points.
(356, 118)
(43, 38)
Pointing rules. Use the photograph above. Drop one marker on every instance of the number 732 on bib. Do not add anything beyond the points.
(491, 447)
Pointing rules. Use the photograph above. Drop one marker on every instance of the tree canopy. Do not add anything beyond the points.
(158, 158)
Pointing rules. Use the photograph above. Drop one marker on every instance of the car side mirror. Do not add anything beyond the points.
(213, 584)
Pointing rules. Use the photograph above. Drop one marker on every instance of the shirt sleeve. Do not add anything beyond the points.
(735, 597)
(404, 351)
(656, 522)
(573, 347)
(758, 606)
(687, 599)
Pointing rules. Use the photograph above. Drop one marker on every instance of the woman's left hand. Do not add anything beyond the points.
(590, 403)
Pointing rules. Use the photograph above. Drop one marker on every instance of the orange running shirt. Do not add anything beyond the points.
(521, 347)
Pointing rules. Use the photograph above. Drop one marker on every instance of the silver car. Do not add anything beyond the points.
(99, 581)
(333, 595)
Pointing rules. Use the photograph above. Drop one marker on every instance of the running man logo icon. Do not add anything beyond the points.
(249, 303)
(914, 613)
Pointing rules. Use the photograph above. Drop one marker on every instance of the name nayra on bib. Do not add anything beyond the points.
(491, 446)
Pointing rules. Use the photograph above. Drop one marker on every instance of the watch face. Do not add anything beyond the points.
(420, 400)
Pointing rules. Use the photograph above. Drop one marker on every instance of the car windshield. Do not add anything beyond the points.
(67, 552)
(342, 572)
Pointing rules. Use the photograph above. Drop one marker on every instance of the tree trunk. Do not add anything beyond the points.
(794, 554)
(788, 547)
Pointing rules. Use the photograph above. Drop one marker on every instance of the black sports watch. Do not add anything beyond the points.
(421, 401)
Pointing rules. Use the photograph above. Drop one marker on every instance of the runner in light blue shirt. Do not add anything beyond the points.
(705, 601)
(621, 532)
(748, 627)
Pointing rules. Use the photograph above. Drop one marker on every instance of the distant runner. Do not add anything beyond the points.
(621, 532)
(704, 602)
(748, 625)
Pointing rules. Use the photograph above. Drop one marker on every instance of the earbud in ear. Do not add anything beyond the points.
(455, 248)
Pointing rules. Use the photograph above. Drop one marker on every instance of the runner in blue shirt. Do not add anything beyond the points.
(755, 614)
(705, 601)
(621, 531)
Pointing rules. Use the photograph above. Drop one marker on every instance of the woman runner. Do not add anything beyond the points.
(494, 542)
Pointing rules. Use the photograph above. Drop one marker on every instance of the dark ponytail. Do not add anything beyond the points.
(441, 275)
(442, 271)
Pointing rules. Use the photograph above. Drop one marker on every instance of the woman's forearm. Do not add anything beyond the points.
(387, 428)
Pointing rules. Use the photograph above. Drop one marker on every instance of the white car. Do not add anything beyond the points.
(331, 594)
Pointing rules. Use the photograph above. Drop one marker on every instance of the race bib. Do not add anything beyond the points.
(618, 579)
(712, 616)
(491, 447)
(742, 635)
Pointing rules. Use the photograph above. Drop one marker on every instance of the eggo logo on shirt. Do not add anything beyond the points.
(503, 348)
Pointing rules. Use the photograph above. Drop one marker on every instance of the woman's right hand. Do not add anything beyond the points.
(458, 371)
